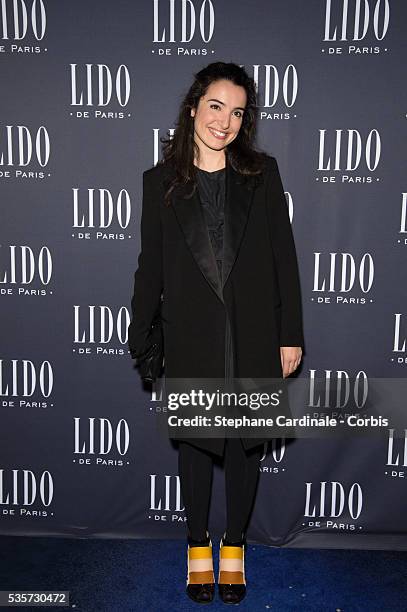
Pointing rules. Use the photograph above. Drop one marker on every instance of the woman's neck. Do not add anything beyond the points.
(211, 165)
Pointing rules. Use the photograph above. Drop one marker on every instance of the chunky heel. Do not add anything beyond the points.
(231, 579)
(200, 577)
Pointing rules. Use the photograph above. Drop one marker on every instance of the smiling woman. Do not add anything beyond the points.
(218, 267)
(219, 118)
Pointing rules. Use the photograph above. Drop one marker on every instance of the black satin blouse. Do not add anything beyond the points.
(211, 187)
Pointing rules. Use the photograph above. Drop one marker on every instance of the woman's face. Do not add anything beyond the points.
(219, 115)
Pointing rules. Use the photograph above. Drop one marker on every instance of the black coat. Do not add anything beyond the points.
(260, 292)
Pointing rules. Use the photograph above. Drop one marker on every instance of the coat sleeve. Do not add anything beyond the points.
(148, 278)
(285, 259)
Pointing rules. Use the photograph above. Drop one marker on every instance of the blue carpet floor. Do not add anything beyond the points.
(121, 575)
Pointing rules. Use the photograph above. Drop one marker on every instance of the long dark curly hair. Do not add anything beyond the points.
(241, 153)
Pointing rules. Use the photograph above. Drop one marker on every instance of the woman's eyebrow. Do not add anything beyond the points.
(223, 104)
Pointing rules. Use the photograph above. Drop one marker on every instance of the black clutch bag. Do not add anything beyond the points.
(150, 362)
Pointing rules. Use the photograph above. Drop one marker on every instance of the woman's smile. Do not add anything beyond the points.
(218, 134)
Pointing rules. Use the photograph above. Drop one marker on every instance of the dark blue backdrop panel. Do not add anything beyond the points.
(88, 90)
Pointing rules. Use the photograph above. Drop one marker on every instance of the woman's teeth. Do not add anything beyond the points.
(217, 134)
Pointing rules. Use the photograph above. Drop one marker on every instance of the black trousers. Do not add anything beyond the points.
(195, 468)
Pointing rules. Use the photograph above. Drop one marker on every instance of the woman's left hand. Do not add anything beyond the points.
(290, 359)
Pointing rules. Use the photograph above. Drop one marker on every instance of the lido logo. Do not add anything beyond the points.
(98, 436)
(347, 388)
(403, 216)
(17, 19)
(185, 19)
(23, 265)
(165, 493)
(342, 272)
(98, 324)
(353, 20)
(328, 501)
(18, 146)
(277, 447)
(25, 488)
(276, 85)
(351, 141)
(397, 457)
(399, 344)
(23, 378)
(99, 209)
(92, 85)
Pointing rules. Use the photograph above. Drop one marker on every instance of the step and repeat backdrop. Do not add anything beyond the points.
(88, 89)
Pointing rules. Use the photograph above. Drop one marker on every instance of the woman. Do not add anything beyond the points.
(217, 283)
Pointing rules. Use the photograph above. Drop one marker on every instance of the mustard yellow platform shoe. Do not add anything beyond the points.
(231, 579)
(201, 577)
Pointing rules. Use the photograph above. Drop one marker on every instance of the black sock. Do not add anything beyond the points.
(193, 542)
(227, 542)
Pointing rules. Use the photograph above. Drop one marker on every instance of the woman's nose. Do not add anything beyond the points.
(225, 122)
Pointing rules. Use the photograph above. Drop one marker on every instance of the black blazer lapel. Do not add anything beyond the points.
(239, 197)
(190, 216)
(191, 219)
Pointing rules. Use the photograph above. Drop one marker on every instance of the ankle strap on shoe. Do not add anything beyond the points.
(231, 564)
(200, 565)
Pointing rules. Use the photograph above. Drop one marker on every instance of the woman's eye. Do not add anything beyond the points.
(215, 105)
(240, 114)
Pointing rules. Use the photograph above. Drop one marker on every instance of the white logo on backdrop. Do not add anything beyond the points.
(24, 23)
(102, 89)
(396, 455)
(337, 393)
(26, 493)
(21, 148)
(100, 215)
(360, 24)
(273, 462)
(101, 330)
(403, 218)
(399, 340)
(348, 153)
(343, 278)
(189, 24)
(157, 144)
(277, 89)
(165, 499)
(25, 383)
(101, 442)
(333, 505)
(25, 271)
